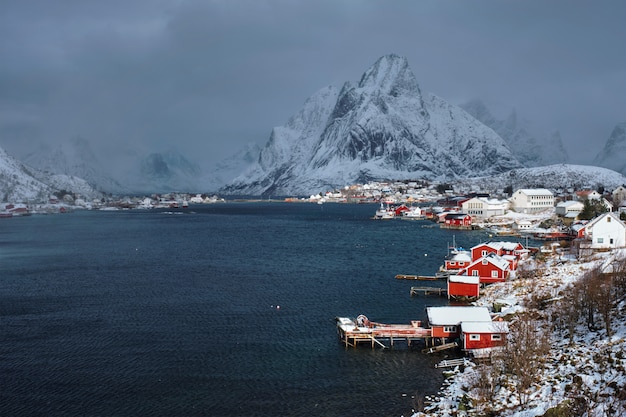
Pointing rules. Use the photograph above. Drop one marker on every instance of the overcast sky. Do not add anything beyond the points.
(207, 77)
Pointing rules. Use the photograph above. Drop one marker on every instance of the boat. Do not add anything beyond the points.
(384, 213)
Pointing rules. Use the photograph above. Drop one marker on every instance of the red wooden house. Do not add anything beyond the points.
(463, 286)
(445, 322)
(480, 337)
(457, 261)
(511, 251)
(499, 248)
(491, 268)
(457, 220)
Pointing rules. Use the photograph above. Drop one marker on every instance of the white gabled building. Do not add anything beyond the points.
(569, 208)
(606, 231)
(484, 207)
(532, 200)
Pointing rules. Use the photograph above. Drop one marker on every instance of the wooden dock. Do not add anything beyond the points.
(428, 291)
(354, 332)
(421, 277)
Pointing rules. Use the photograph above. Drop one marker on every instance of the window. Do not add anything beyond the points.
(484, 253)
(484, 262)
(474, 337)
(496, 337)
(494, 274)
(474, 273)
(600, 240)
(608, 219)
(449, 329)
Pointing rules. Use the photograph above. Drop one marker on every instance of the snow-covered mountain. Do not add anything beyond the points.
(531, 149)
(21, 183)
(162, 172)
(613, 155)
(558, 176)
(74, 157)
(383, 127)
(228, 169)
(129, 170)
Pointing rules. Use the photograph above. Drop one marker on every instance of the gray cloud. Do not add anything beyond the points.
(209, 76)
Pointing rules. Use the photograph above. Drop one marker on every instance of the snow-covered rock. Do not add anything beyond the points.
(382, 128)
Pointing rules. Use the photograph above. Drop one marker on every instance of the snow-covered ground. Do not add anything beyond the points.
(588, 375)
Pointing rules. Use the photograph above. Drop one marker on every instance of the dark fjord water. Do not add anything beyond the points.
(144, 313)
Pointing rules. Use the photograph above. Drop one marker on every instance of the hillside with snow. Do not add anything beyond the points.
(74, 158)
(381, 128)
(582, 369)
(560, 176)
(21, 183)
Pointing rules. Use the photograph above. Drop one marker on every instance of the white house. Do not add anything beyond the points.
(606, 231)
(522, 225)
(532, 200)
(484, 207)
(569, 208)
(588, 195)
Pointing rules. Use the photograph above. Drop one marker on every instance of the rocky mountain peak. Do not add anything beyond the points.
(391, 75)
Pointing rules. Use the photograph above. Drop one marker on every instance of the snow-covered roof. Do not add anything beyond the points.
(453, 315)
(535, 191)
(570, 203)
(484, 327)
(463, 256)
(595, 220)
(496, 260)
(465, 279)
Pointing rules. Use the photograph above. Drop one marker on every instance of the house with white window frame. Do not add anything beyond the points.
(606, 231)
(532, 200)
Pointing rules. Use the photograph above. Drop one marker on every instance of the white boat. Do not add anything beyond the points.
(384, 213)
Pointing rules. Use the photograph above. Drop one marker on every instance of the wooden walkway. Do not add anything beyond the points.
(428, 291)
(439, 348)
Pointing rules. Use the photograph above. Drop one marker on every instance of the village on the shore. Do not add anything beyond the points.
(542, 329)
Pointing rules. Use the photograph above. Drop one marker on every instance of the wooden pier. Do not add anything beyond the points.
(439, 348)
(428, 291)
(354, 332)
(437, 277)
